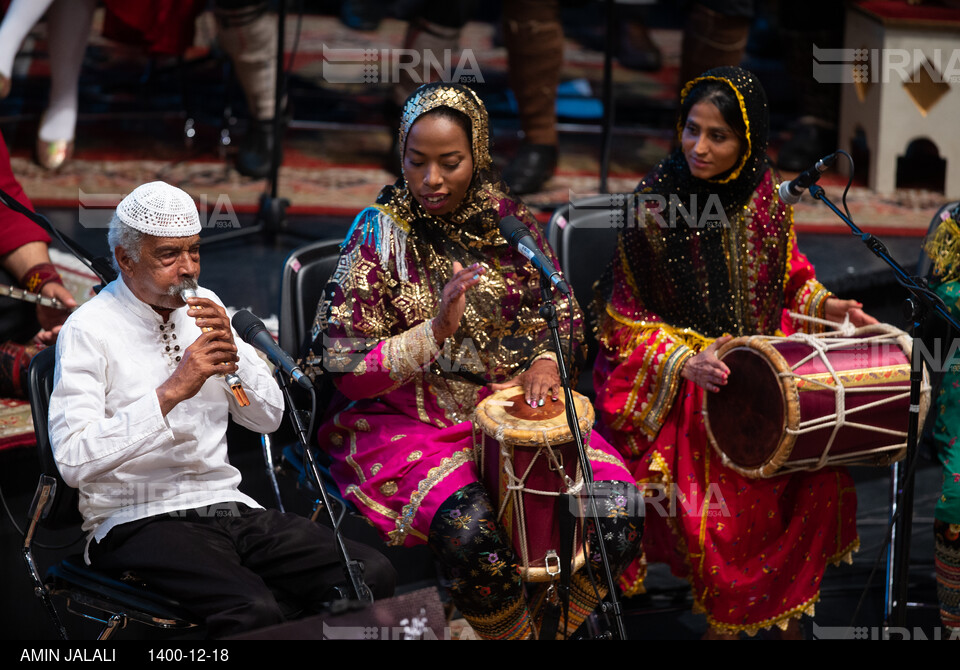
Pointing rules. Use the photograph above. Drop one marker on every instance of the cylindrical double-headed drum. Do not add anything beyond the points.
(807, 401)
(528, 458)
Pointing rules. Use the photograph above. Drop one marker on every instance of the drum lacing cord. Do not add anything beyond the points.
(820, 346)
(516, 485)
(847, 329)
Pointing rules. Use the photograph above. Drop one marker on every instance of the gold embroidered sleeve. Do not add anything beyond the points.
(645, 375)
(410, 352)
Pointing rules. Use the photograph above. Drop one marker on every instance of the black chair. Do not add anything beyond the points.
(305, 275)
(88, 592)
(583, 235)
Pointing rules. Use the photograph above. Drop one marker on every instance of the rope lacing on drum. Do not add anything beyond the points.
(820, 344)
(846, 329)
(516, 485)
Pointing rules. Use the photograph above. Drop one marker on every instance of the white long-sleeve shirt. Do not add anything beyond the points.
(109, 437)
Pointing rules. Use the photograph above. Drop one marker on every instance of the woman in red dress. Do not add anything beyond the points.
(753, 550)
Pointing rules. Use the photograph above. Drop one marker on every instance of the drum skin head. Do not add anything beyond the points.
(746, 415)
(747, 420)
(523, 425)
(521, 410)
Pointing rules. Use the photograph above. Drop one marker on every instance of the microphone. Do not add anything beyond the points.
(518, 236)
(790, 191)
(253, 332)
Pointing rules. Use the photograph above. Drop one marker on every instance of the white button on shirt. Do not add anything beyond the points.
(109, 437)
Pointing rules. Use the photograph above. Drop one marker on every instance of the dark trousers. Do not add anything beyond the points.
(533, 35)
(236, 568)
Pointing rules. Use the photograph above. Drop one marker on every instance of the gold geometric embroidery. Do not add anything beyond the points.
(415, 302)
(457, 399)
(339, 314)
(396, 536)
(352, 272)
(529, 323)
(360, 272)
(434, 477)
(377, 321)
(352, 449)
(341, 275)
(385, 282)
(421, 404)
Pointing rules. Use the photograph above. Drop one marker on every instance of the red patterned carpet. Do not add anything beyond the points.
(16, 426)
(337, 141)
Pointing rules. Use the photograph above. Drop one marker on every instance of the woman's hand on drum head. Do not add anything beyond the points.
(836, 309)
(705, 369)
(453, 300)
(540, 381)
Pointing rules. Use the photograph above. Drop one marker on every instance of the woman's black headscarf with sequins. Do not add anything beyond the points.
(681, 263)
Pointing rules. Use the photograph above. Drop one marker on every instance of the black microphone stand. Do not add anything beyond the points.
(98, 265)
(921, 303)
(608, 94)
(272, 214)
(548, 312)
(351, 568)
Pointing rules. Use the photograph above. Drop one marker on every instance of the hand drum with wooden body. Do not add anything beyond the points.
(807, 401)
(527, 459)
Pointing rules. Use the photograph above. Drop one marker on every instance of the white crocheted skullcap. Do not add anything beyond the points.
(161, 210)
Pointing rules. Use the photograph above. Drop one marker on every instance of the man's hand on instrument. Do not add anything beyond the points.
(50, 318)
(705, 369)
(540, 380)
(836, 309)
(210, 317)
(453, 301)
(209, 355)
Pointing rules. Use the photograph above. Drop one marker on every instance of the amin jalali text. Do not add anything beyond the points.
(69, 654)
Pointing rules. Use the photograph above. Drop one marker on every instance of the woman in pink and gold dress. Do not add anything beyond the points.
(429, 310)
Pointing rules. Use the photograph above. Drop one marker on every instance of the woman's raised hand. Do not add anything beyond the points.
(453, 300)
